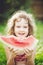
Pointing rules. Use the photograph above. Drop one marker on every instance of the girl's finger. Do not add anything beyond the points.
(27, 52)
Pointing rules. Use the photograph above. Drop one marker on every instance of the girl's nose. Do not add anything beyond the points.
(22, 29)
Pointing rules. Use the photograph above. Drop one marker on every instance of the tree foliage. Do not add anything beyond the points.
(7, 7)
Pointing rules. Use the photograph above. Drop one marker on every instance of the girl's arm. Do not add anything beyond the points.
(11, 59)
(10, 54)
(30, 54)
(7, 52)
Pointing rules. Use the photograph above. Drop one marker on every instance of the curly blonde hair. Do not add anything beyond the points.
(18, 15)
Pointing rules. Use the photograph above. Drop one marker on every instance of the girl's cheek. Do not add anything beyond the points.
(17, 29)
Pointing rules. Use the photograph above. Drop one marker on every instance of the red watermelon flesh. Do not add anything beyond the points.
(29, 41)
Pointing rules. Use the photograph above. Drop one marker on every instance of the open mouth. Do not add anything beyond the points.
(21, 33)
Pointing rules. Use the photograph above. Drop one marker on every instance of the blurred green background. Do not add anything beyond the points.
(7, 8)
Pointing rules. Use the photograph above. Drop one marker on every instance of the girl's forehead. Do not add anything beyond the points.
(21, 21)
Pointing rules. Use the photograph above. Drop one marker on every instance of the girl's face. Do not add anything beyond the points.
(21, 28)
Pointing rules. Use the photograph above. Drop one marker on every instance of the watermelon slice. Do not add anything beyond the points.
(12, 41)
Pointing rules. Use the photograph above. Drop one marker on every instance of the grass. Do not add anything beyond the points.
(39, 53)
(3, 60)
(2, 55)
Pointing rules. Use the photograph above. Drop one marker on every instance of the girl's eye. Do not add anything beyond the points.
(18, 26)
(25, 26)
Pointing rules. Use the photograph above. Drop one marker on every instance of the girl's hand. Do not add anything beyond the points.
(16, 51)
(11, 49)
(28, 52)
(11, 57)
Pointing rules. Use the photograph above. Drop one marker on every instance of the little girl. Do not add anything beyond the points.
(20, 25)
